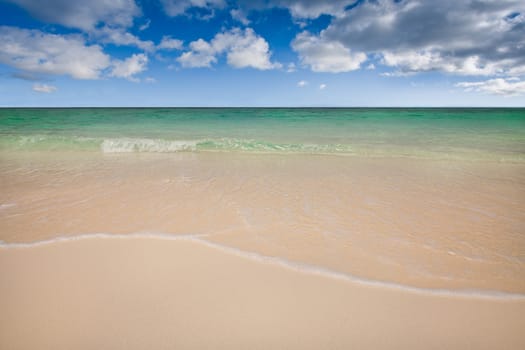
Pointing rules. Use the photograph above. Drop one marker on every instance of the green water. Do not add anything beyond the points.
(474, 134)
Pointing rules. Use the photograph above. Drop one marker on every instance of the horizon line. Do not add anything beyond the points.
(259, 107)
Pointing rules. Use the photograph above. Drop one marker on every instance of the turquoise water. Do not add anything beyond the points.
(475, 134)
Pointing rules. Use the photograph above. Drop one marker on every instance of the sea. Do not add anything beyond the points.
(436, 133)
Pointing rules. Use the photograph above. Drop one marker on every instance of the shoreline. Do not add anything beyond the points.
(156, 146)
(431, 225)
(139, 293)
(284, 263)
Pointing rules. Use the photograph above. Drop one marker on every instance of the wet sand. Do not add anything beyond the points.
(427, 224)
(137, 293)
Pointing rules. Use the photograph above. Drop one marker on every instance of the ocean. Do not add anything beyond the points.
(470, 134)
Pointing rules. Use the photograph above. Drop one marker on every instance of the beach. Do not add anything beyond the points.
(269, 174)
(135, 293)
(247, 229)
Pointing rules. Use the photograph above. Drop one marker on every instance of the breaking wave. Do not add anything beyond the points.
(123, 145)
(158, 145)
(126, 145)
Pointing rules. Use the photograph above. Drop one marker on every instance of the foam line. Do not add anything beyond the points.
(276, 261)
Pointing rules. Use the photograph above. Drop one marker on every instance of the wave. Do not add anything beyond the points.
(125, 145)
(48, 143)
(277, 261)
(157, 145)
(128, 145)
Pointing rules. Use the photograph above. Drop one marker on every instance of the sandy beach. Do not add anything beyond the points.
(137, 293)
(265, 174)
(427, 224)
(387, 241)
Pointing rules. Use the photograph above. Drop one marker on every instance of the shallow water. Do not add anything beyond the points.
(472, 134)
(431, 199)
(431, 224)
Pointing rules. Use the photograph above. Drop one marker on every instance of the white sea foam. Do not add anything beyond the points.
(48, 142)
(128, 145)
(277, 261)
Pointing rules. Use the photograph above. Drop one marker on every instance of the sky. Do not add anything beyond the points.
(308, 53)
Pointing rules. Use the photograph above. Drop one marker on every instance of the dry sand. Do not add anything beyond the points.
(146, 293)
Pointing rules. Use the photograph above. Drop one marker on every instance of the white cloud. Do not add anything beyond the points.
(129, 67)
(291, 68)
(302, 83)
(499, 86)
(240, 16)
(326, 56)
(85, 15)
(201, 54)
(397, 74)
(119, 36)
(246, 49)
(242, 48)
(38, 52)
(312, 8)
(178, 7)
(145, 25)
(192, 59)
(103, 20)
(371, 66)
(468, 37)
(299, 9)
(322, 86)
(33, 51)
(414, 61)
(44, 88)
(150, 80)
(168, 43)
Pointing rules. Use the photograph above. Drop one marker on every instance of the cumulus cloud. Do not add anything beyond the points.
(313, 8)
(498, 86)
(168, 43)
(44, 88)
(322, 86)
(37, 52)
(323, 55)
(470, 37)
(121, 37)
(129, 67)
(104, 21)
(201, 54)
(299, 9)
(240, 16)
(178, 7)
(85, 15)
(243, 48)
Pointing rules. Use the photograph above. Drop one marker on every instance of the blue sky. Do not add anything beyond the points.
(262, 53)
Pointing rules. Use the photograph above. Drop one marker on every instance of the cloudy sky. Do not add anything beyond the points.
(262, 53)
